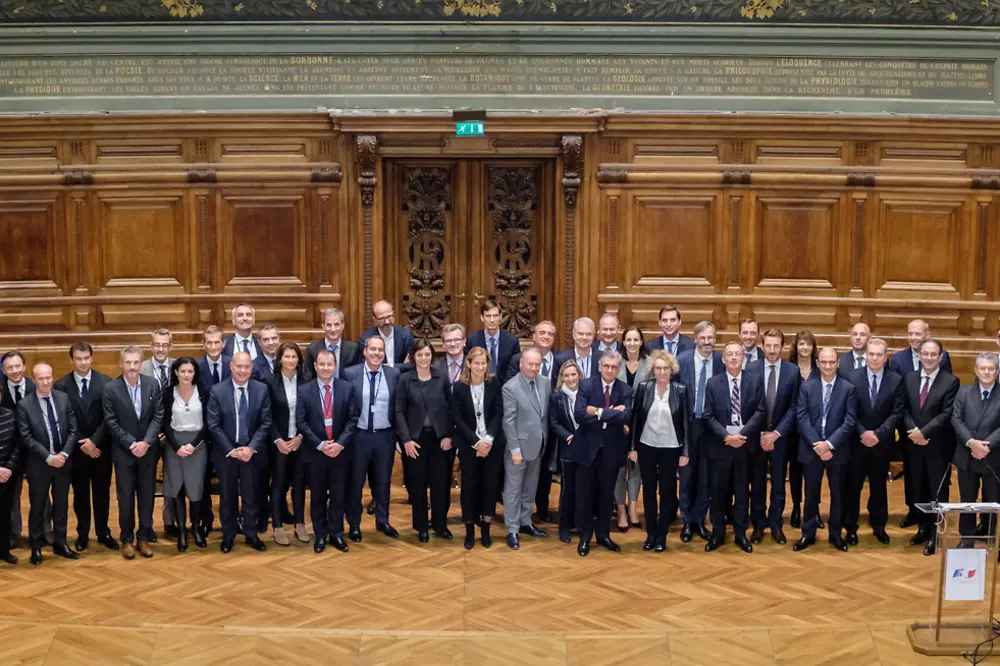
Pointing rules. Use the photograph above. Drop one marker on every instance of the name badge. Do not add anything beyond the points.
(328, 422)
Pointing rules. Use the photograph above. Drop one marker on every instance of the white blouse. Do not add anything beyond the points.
(291, 395)
(478, 396)
(186, 416)
(659, 429)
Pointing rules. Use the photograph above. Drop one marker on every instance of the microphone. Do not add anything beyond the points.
(944, 477)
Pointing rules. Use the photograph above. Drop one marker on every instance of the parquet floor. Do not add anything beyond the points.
(389, 602)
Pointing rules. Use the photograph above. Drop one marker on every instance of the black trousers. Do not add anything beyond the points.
(328, 499)
(870, 463)
(264, 495)
(238, 481)
(567, 497)
(968, 490)
(135, 485)
(596, 482)
(43, 479)
(928, 466)
(287, 473)
(429, 470)
(658, 470)
(731, 481)
(912, 478)
(836, 476)
(795, 473)
(480, 482)
(91, 478)
(543, 491)
(6, 501)
(378, 451)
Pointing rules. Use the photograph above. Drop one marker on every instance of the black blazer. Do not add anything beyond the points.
(230, 341)
(350, 354)
(887, 413)
(221, 418)
(205, 370)
(684, 344)
(972, 421)
(7, 398)
(168, 405)
(89, 412)
(642, 401)
(415, 401)
(560, 426)
(309, 418)
(464, 412)
(786, 399)
(591, 434)
(934, 418)
(846, 366)
(279, 405)
(31, 418)
(718, 412)
(119, 414)
(10, 452)
(262, 370)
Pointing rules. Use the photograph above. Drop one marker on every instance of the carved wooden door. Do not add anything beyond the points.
(460, 231)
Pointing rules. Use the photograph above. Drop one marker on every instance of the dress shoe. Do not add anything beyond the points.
(531, 530)
(838, 543)
(803, 543)
(779, 536)
(444, 534)
(565, 536)
(795, 521)
(320, 545)
(199, 538)
(512, 541)
(387, 530)
(423, 537)
(8, 558)
(484, 534)
(819, 522)
(660, 545)
(371, 508)
(470, 536)
(609, 544)
(744, 545)
(255, 543)
(712, 545)
(301, 533)
(170, 532)
(128, 551)
(931, 547)
(339, 543)
(108, 542)
(36, 556)
(649, 544)
(909, 520)
(227, 545)
(182, 540)
(354, 534)
(686, 533)
(920, 537)
(704, 532)
(205, 529)
(81, 544)
(62, 550)
(881, 536)
(758, 535)
(583, 549)
(144, 549)
(279, 536)
(964, 543)
(152, 536)
(851, 538)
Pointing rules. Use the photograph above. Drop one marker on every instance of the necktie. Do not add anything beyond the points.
(874, 395)
(215, 373)
(534, 394)
(671, 346)
(699, 399)
(859, 362)
(56, 441)
(584, 367)
(607, 397)
(986, 397)
(545, 367)
(137, 399)
(83, 388)
(17, 393)
(328, 410)
(454, 370)
(243, 418)
(771, 396)
(371, 400)
(924, 390)
(737, 411)
(827, 393)
(163, 376)
(493, 356)
(335, 349)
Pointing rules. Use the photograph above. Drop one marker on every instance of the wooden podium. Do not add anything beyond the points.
(963, 620)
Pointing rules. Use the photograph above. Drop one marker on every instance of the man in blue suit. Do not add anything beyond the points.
(243, 339)
(500, 344)
(267, 362)
(582, 350)
(326, 416)
(609, 328)
(397, 340)
(696, 368)
(603, 411)
(826, 421)
(213, 367)
(670, 338)
(239, 420)
(374, 443)
(777, 439)
(732, 421)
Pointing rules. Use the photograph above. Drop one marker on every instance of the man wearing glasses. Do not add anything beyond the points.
(398, 339)
(158, 367)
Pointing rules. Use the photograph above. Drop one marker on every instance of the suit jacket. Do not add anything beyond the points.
(885, 415)
(642, 373)
(119, 414)
(357, 376)
(688, 375)
(147, 369)
(514, 367)
(508, 346)
(402, 341)
(229, 342)
(846, 366)
(10, 451)
(168, 412)
(642, 402)
(350, 354)
(262, 370)
(31, 419)
(570, 355)
(971, 420)
(205, 371)
(525, 418)
(684, 344)
(561, 426)
(89, 411)
(309, 418)
(753, 364)
(934, 418)
(840, 420)
(221, 419)
(592, 433)
(719, 412)
(785, 402)
(616, 346)
(418, 401)
(7, 398)
(280, 410)
(464, 412)
(902, 362)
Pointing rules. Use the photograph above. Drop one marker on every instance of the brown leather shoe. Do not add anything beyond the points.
(128, 551)
(145, 549)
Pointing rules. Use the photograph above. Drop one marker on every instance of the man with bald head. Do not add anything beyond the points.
(608, 330)
(47, 426)
(397, 339)
(856, 358)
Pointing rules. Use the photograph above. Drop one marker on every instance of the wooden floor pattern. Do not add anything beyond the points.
(402, 602)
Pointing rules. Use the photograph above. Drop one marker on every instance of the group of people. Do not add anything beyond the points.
(701, 433)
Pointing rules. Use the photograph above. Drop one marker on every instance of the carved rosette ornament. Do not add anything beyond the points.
(513, 209)
(572, 156)
(426, 201)
(367, 156)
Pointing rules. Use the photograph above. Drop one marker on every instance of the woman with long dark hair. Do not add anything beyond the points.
(804, 355)
(635, 370)
(287, 469)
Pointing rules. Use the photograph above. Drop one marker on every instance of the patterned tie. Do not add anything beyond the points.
(243, 418)
(328, 410)
(55, 439)
(874, 395)
(771, 396)
(607, 397)
(163, 376)
(827, 394)
(83, 388)
(924, 390)
(737, 416)
(699, 400)
(493, 356)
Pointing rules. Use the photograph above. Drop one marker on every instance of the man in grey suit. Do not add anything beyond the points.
(525, 421)
(158, 367)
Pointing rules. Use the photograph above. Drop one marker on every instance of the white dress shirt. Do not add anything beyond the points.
(390, 347)
(79, 381)
(659, 429)
(238, 345)
(292, 396)
(187, 416)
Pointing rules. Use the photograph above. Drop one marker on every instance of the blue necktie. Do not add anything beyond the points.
(371, 400)
(827, 393)
(246, 346)
(986, 397)
(545, 367)
(493, 356)
(53, 426)
(215, 373)
(243, 418)
(699, 401)
(333, 350)
(137, 399)
(83, 388)
(671, 346)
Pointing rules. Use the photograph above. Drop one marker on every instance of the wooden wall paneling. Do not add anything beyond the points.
(988, 214)
(252, 221)
(140, 151)
(577, 203)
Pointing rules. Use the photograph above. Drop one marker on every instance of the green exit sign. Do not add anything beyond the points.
(470, 128)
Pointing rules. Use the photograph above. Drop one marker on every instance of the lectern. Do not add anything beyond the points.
(965, 590)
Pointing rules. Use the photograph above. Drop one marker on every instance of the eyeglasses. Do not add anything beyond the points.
(456, 341)
(385, 317)
(161, 345)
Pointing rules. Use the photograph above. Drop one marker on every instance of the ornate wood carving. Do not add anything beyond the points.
(78, 178)
(613, 238)
(572, 155)
(986, 181)
(612, 174)
(736, 177)
(426, 199)
(326, 175)
(366, 147)
(513, 207)
(734, 240)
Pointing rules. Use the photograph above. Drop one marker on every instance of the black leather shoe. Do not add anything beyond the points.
(484, 533)
(81, 544)
(565, 537)
(371, 508)
(758, 535)
(779, 536)
(108, 542)
(470, 537)
(388, 530)
(320, 545)
(205, 529)
(920, 537)
(583, 549)
(713, 544)
(838, 543)
(182, 541)
(170, 532)
(256, 544)
(339, 543)
(795, 521)
(909, 520)
(512, 541)
(649, 544)
(226, 546)
(354, 534)
(851, 538)
(931, 547)
(443, 534)
(704, 532)
(8, 558)
(881, 536)
(819, 522)
(609, 544)
(531, 530)
(686, 533)
(660, 545)
(62, 550)
(803, 543)
(744, 545)
(36, 556)
(199, 538)
(423, 537)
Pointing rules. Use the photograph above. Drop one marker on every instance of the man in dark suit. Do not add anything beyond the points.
(10, 461)
(927, 423)
(826, 420)
(976, 421)
(345, 352)
(239, 419)
(670, 338)
(543, 337)
(213, 366)
(12, 390)
(133, 414)
(879, 409)
(47, 426)
(582, 351)
(777, 443)
(608, 329)
(326, 416)
(603, 411)
(855, 359)
(397, 340)
(266, 362)
(374, 443)
(91, 461)
(500, 344)
(733, 426)
(243, 339)
(450, 364)
(696, 368)
(749, 335)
